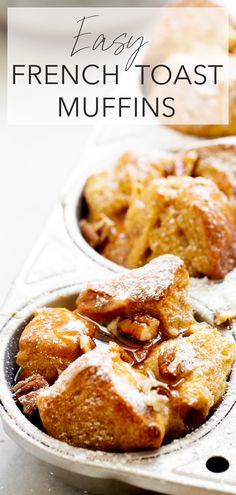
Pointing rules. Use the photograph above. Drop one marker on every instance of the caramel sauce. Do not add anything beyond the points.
(136, 351)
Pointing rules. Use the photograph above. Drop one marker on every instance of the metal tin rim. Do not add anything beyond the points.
(60, 452)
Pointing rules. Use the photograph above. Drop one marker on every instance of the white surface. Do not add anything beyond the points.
(35, 163)
(22, 474)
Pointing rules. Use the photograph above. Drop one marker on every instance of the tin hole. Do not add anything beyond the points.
(217, 464)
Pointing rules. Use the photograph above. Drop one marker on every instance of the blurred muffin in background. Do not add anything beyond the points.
(179, 39)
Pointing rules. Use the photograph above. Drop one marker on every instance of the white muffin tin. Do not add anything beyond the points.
(58, 267)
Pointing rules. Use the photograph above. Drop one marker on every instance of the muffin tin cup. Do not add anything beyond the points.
(59, 266)
(146, 469)
(74, 203)
(73, 207)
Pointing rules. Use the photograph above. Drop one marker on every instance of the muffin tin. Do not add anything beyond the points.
(59, 266)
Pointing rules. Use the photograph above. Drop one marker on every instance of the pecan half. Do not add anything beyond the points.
(176, 362)
(26, 391)
(89, 233)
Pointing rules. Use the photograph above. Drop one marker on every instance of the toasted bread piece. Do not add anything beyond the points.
(101, 402)
(179, 214)
(216, 162)
(52, 340)
(158, 290)
(108, 193)
(198, 366)
(188, 217)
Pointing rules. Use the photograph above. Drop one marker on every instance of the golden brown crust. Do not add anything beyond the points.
(157, 290)
(183, 215)
(109, 192)
(100, 402)
(216, 162)
(52, 340)
(198, 366)
(189, 218)
(107, 399)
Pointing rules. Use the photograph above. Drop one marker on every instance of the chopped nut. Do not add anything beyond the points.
(103, 228)
(89, 232)
(96, 233)
(31, 383)
(166, 359)
(28, 402)
(125, 356)
(26, 391)
(140, 327)
(175, 363)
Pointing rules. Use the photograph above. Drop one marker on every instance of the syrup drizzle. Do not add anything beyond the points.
(137, 351)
